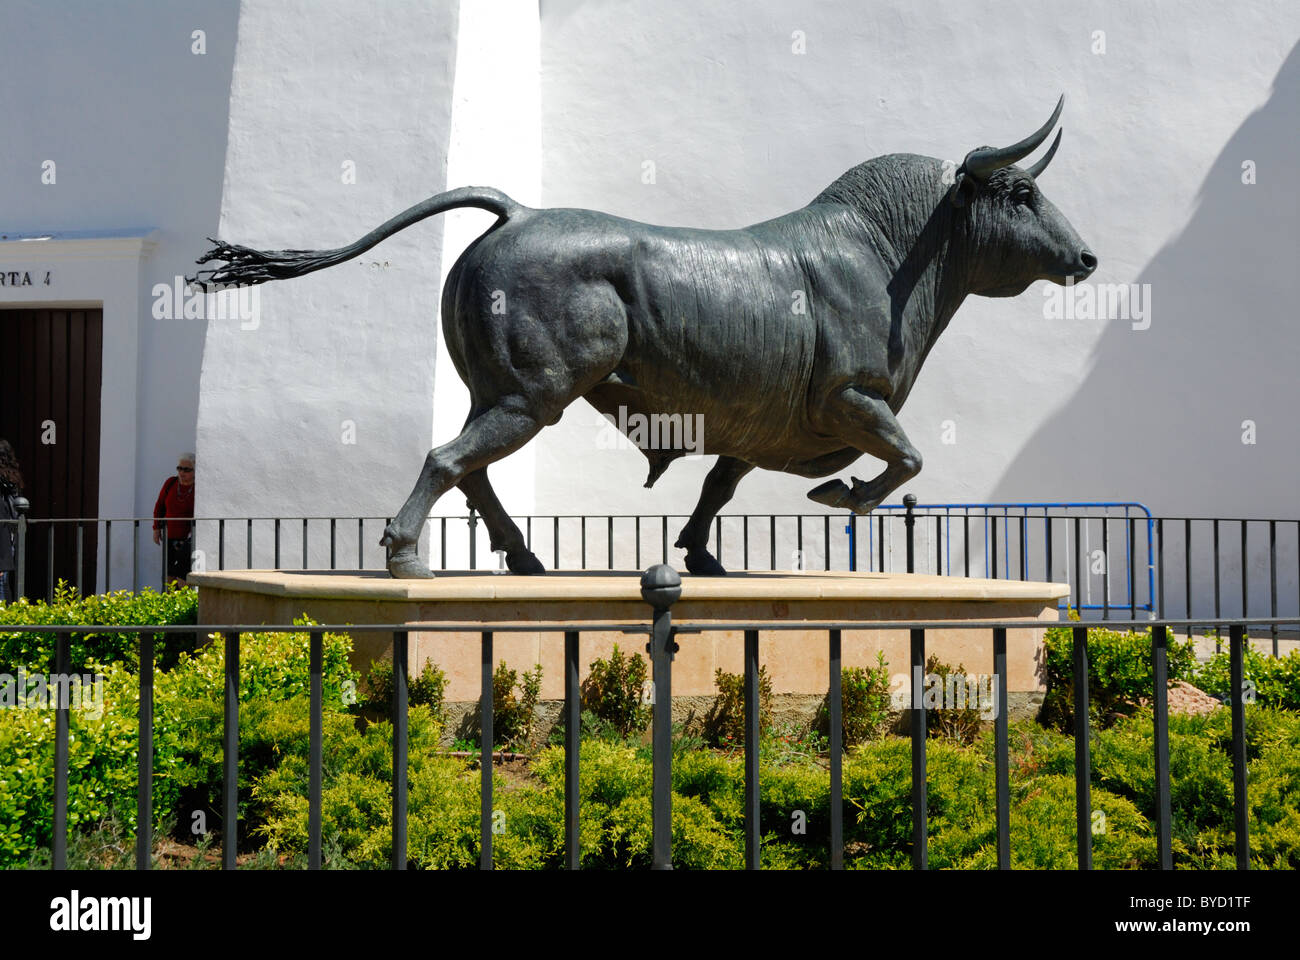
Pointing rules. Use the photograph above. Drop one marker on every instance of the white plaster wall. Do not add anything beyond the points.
(135, 123)
(740, 129)
(495, 139)
(345, 354)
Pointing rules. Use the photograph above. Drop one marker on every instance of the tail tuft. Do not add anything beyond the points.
(246, 266)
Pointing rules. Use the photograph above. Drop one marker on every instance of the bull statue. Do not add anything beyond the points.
(797, 340)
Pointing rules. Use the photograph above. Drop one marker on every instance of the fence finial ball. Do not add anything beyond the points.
(909, 500)
(661, 585)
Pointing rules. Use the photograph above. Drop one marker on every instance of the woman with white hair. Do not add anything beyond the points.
(175, 510)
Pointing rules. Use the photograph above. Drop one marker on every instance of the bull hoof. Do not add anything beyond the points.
(832, 493)
(408, 566)
(703, 564)
(524, 562)
(838, 495)
(862, 499)
(404, 562)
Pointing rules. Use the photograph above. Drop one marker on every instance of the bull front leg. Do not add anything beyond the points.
(863, 420)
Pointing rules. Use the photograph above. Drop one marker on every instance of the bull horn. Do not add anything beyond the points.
(981, 163)
(1041, 165)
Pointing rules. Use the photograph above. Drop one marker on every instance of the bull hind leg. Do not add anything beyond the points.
(862, 419)
(492, 435)
(504, 532)
(719, 488)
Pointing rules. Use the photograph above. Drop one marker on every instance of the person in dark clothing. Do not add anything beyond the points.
(175, 505)
(11, 487)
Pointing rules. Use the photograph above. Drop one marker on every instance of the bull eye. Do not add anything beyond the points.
(1023, 196)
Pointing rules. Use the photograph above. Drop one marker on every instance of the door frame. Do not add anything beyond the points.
(99, 270)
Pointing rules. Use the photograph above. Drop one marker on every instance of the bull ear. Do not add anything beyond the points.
(963, 189)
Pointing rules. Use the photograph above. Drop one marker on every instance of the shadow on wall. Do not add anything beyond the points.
(1171, 408)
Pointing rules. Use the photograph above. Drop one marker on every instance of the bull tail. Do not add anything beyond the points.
(243, 265)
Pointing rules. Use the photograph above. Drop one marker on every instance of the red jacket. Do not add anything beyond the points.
(174, 501)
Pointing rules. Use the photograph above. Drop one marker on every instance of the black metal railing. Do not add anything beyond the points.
(1117, 558)
(661, 587)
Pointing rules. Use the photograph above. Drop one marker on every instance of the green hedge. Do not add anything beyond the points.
(795, 803)
(101, 769)
(615, 781)
(1120, 672)
(35, 651)
(1273, 681)
(188, 718)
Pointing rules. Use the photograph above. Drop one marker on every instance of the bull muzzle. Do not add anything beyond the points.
(1086, 263)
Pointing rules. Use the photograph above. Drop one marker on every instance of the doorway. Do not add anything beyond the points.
(50, 378)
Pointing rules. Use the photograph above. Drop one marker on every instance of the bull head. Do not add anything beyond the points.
(1021, 236)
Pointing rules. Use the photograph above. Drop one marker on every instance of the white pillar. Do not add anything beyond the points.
(495, 141)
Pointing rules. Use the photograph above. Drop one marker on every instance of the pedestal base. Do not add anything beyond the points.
(796, 660)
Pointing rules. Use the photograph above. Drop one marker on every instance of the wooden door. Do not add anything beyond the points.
(50, 370)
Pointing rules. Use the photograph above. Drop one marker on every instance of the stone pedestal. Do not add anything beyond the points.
(796, 660)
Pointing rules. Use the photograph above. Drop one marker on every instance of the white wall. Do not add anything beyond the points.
(346, 354)
(135, 123)
(563, 107)
(741, 129)
(496, 130)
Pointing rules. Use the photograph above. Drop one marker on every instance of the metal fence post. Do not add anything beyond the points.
(920, 800)
(20, 579)
(144, 752)
(909, 521)
(230, 755)
(1082, 751)
(486, 736)
(661, 586)
(59, 841)
(836, 711)
(1002, 750)
(753, 840)
(572, 748)
(315, 746)
(401, 717)
(1160, 706)
(1240, 805)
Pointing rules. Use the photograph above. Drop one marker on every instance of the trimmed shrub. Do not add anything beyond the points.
(188, 715)
(951, 722)
(864, 702)
(724, 725)
(1273, 681)
(512, 717)
(795, 816)
(102, 749)
(35, 651)
(1120, 672)
(613, 691)
(425, 690)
